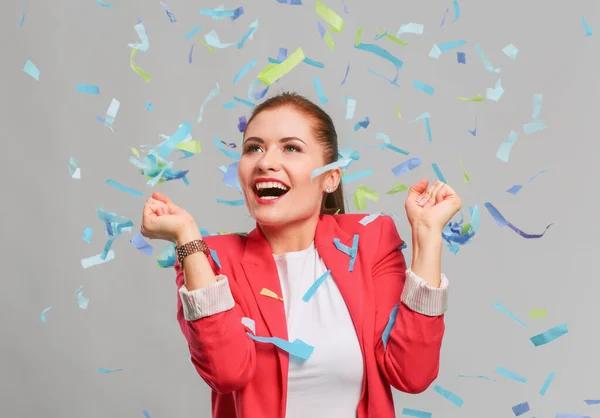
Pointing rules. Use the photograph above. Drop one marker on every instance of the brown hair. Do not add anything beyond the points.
(324, 131)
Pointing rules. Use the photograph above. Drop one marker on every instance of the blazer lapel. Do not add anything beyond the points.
(261, 272)
(349, 282)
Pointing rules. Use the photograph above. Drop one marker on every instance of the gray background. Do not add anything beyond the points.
(50, 369)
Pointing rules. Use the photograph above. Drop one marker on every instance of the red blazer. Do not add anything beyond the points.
(249, 379)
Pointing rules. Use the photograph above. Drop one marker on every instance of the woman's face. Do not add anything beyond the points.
(278, 155)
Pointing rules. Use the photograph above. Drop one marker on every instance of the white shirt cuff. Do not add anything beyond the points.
(425, 299)
(208, 300)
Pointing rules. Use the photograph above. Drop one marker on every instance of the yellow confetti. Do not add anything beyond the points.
(270, 293)
(273, 72)
(538, 313)
(363, 193)
(212, 51)
(399, 114)
(392, 38)
(135, 152)
(192, 146)
(137, 69)
(464, 171)
(331, 17)
(397, 189)
(329, 41)
(478, 98)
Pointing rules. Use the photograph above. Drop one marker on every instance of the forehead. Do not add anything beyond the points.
(279, 123)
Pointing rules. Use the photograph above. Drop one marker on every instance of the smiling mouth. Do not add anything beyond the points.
(270, 190)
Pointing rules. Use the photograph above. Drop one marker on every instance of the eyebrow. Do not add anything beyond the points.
(282, 140)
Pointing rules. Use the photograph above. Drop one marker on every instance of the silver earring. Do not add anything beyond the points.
(328, 190)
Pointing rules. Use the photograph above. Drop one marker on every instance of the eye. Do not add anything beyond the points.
(251, 148)
(292, 148)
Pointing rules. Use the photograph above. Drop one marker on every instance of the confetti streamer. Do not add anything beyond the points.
(169, 14)
(82, 301)
(311, 291)
(319, 88)
(538, 313)
(244, 70)
(123, 188)
(363, 193)
(425, 116)
(231, 154)
(466, 177)
(449, 395)
(486, 62)
(537, 105)
(22, 14)
(438, 173)
(547, 382)
(500, 220)
(103, 4)
(147, 77)
(478, 98)
(106, 371)
(436, 50)
(457, 233)
(111, 114)
(345, 75)
(511, 51)
(273, 72)
(588, 30)
(249, 34)
(347, 178)
(415, 28)
(231, 202)
(416, 413)
(477, 377)
(296, 348)
(332, 166)
(456, 10)
(31, 70)
(193, 32)
(592, 401)
(87, 89)
(182, 132)
(140, 243)
(377, 50)
(495, 93)
(74, 169)
(406, 166)
(43, 314)
(216, 13)
(425, 88)
(350, 251)
(87, 234)
(397, 189)
(144, 44)
(244, 102)
(210, 96)
(387, 144)
(550, 335)
(97, 259)
(271, 294)
(520, 409)
(390, 324)
(511, 375)
(508, 313)
(329, 16)
(350, 107)
(535, 126)
(503, 152)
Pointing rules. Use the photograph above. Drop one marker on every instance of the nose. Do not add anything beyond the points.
(270, 161)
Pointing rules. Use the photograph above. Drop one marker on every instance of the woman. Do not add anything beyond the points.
(258, 285)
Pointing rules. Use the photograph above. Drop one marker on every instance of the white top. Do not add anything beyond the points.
(329, 383)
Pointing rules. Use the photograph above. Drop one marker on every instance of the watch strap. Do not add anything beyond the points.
(190, 248)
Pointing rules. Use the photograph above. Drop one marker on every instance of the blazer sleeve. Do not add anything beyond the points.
(409, 354)
(211, 321)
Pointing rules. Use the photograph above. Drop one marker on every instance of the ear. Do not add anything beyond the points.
(333, 179)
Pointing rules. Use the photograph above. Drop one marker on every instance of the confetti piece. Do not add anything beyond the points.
(229, 105)
(391, 38)
(87, 234)
(592, 401)
(345, 75)
(436, 50)
(123, 188)
(216, 13)
(350, 107)
(273, 72)
(74, 169)
(438, 173)
(141, 32)
(495, 93)
(390, 324)
(538, 313)
(97, 259)
(571, 416)
(461, 57)
(416, 413)
(311, 291)
(397, 189)
(425, 88)
(425, 116)
(547, 382)
(146, 414)
(537, 105)
(296, 348)
(406, 166)
(182, 132)
(457, 233)
(503, 152)
(203, 42)
(210, 95)
(149, 106)
(231, 202)
(486, 62)
(349, 251)
(347, 178)
(377, 50)
(102, 4)
(169, 14)
(588, 30)
(329, 16)
(363, 193)
(477, 377)
(290, 2)
(387, 144)
(193, 32)
(244, 102)
(415, 28)
(500, 220)
(550, 335)
(478, 98)
(332, 166)
(244, 70)
(82, 301)
(456, 10)
(271, 294)
(231, 154)
(249, 34)
(87, 89)
(22, 14)
(147, 77)
(190, 56)
(362, 124)
(43, 314)
(317, 83)
(535, 126)
(508, 313)
(242, 123)
(466, 177)
(140, 243)
(520, 409)
(474, 131)
(449, 395)
(511, 51)
(511, 375)
(106, 371)
(250, 324)
(111, 114)
(215, 257)
(32, 70)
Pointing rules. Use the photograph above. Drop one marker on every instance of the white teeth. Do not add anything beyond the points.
(268, 197)
(269, 185)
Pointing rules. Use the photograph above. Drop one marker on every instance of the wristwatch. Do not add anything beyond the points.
(190, 248)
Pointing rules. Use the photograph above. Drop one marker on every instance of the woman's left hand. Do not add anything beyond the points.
(430, 207)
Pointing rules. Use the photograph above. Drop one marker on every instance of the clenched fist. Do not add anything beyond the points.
(163, 219)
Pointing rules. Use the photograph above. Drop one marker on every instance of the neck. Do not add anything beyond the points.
(291, 237)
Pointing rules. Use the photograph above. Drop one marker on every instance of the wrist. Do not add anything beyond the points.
(187, 234)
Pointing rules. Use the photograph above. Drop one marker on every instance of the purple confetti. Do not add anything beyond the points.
(500, 220)
(406, 166)
(362, 124)
(461, 57)
(346, 75)
(242, 122)
(520, 409)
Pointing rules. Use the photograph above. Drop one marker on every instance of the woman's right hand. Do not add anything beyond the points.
(163, 219)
